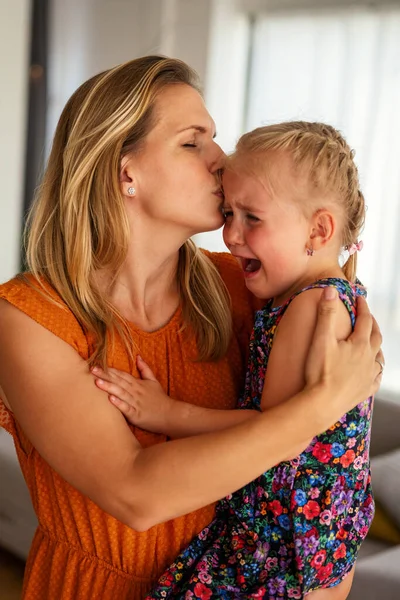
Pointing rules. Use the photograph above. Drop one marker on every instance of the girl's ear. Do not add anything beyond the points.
(323, 227)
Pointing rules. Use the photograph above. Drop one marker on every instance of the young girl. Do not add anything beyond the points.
(292, 206)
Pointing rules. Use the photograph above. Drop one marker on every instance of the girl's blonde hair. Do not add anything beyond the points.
(320, 152)
(78, 224)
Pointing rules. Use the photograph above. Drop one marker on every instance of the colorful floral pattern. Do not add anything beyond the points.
(297, 527)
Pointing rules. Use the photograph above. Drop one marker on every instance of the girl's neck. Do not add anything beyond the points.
(317, 271)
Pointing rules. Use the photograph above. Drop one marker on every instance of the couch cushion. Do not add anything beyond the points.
(377, 576)
(383, 527)
(385, 471)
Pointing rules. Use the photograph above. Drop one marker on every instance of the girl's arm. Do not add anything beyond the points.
(144, 403)
(78, 432)
(285, 374)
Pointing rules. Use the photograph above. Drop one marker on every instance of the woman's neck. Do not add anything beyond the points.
(145, 291)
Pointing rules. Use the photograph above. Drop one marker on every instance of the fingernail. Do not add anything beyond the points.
(139, 358)
(100, 381)
(95, 369)
(330, 293)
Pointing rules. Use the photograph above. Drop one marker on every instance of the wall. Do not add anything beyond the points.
(86, 36)
(108, 32)
(14, 61)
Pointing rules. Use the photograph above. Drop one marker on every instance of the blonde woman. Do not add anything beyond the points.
(112, 274)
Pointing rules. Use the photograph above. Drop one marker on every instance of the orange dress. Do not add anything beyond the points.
(79, 552)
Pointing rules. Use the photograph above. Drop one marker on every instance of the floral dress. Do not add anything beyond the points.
(297, 527)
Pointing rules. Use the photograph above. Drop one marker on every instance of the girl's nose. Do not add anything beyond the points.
(232, 233)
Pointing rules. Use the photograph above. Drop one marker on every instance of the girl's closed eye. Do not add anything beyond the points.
(252, 218)
(227, 212)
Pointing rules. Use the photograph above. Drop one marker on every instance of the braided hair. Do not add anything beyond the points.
(321, 152)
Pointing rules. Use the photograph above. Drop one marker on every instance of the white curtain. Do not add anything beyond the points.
(343, 67)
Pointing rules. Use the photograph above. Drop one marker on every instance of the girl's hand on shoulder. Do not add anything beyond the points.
(142, 401)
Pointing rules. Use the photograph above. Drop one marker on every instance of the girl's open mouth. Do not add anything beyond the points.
(250, 265)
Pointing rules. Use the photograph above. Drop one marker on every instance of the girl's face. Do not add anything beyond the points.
(267, 232)
(175, 171)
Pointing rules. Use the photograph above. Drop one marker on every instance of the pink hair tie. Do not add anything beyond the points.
(355, 247)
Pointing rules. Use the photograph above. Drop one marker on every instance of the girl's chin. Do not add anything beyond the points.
(256, 287)
(259, 288)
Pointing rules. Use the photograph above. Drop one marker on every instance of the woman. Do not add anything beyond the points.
(133, 173)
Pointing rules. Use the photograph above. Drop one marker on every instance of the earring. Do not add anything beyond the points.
(310, 251)
(131, 191)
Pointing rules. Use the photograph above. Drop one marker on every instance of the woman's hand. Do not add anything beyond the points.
(350, 369)
(143, 402)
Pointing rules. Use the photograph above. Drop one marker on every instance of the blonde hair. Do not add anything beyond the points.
(321, 152)
(78, 222)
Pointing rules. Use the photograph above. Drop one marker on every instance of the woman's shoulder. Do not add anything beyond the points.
(229, 269)
(39, 301)
(223, 260)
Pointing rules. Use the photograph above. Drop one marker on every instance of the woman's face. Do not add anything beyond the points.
(175, 171)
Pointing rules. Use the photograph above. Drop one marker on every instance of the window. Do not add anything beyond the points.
(339, 65)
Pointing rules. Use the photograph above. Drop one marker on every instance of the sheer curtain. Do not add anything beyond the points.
(341, 66)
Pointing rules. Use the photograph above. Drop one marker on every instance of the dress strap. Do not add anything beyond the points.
(347, 291)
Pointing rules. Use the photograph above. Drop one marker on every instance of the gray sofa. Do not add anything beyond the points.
(17, 518)
(377, 575)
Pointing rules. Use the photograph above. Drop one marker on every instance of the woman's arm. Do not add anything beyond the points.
(79, 433)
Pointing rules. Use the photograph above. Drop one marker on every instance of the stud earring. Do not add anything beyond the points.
(310, 251)
(131, 191)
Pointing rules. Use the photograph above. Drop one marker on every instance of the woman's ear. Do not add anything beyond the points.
(126, 179)
(323, 227)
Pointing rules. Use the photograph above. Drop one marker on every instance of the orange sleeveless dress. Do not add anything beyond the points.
(79, 552)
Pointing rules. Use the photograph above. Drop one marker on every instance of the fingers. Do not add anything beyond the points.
(380, 357)
(112, 374)
(327, 311)
(364, 322)
(379, 364)
(376, 338)
(376, 384)
(144, 369)
(127, 410)
(114, 389)
(121, 375)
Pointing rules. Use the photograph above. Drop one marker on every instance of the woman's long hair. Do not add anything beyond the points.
(78, 223)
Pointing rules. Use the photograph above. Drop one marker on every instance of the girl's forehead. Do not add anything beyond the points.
(277, 187)
(275, 172)
(245, 191)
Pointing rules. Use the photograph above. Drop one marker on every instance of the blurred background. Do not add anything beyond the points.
(261, 61)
